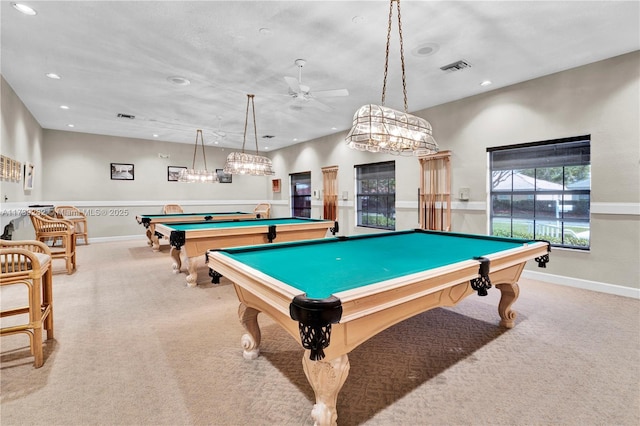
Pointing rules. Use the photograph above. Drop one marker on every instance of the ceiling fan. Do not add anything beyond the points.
(302, 95)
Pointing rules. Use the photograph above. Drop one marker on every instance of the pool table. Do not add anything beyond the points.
(334, 294)
(149, 221)
(198, 237)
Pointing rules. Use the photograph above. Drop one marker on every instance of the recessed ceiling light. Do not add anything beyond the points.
(71, 125)
(155, 136)
(265, 31)
(53, 75)
(486, 83)
(64, 107)
(295, 139)
(425, 49)
(179, 81)
(24, 9)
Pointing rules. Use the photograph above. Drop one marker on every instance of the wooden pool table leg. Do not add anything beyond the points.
(326, 379)
(149, 235)
(192, 273)
(177, 262)
(509, 294)
(155, 242)
(251, 340)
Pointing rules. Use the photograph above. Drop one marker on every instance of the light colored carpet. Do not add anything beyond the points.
(135, 346)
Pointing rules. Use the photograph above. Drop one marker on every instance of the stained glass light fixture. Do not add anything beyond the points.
(242, 163)
(377, 128)
(194, 175)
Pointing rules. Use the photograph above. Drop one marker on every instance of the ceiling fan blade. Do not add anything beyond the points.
(293, 83)
(330, 93)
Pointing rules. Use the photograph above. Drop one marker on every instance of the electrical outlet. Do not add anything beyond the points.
(463, 194)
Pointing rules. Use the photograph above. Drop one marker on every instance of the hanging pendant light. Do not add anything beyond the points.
(194, 175)
(377, 128)
(241, 163)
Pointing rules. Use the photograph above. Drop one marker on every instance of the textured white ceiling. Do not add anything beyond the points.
(116, 57)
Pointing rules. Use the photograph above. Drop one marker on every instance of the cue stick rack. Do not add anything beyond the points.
(434, 194)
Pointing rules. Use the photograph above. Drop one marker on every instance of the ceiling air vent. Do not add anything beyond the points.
(456, 66)
(268, 136)
(126, 116)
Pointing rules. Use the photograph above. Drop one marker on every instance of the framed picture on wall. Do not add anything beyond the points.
(224, 177)
(3, 169)
(11, 164)
(15, 172)
(173, 172)
(29, 176)
(122, 171)
(275, 185)
(18, 171)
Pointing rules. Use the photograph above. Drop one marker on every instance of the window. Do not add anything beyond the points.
(542, 190)
(376, 195)
(301, 194)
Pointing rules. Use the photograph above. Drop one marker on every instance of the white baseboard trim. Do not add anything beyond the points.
(617, 290)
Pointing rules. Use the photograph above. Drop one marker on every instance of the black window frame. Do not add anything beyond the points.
(300, 194)
(376, 195)
(556, 212)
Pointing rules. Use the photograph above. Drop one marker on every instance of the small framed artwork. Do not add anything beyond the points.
(224, 177)
(18, 171)
(173, 172)
(122, 171)
(3, 168)
(14, 170)
(275, 185)
(10, 165)
(29, 176)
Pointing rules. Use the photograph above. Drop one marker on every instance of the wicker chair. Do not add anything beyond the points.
(29, 263)
(172, 208)
(75, 216)
(49, 229)
(263, 210)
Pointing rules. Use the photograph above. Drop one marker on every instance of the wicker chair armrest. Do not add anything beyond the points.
(31, 245)
(19, 260)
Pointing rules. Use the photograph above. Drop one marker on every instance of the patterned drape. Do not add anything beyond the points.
(435, 191)
(330, 192)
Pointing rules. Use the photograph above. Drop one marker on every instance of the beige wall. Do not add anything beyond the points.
(600, 99)
(78, 168)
